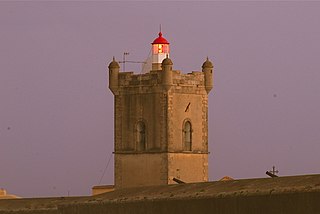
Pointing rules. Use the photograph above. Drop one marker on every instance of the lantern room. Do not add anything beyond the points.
(160, 50)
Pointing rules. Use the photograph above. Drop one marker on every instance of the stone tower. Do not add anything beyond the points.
(161, 122)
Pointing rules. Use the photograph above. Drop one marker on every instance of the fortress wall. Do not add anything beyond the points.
(282, 195)
(293, 203)
(30, 212)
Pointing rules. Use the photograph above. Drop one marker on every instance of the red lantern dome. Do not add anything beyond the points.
(160, 40)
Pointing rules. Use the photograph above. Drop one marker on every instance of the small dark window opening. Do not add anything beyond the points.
(141, 136)
(187, 132)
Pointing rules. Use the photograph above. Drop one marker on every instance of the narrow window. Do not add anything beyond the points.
(141, 136)
(187, 132)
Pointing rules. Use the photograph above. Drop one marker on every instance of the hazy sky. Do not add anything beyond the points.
(56, 112)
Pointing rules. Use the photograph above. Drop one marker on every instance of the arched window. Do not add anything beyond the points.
(187, 136)
(141, 136)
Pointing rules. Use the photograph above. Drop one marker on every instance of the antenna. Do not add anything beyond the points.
(124, 61)
(160, 27)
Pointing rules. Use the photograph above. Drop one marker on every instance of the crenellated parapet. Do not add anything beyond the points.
(161, 80)
(129, 79)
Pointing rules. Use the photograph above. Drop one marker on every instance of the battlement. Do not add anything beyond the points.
(165, 78)
(194, 78)
(154, 78)
(127, 79)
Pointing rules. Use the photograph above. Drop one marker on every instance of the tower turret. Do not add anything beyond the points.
(167, 73)
(160, 50)
(113, 75)
(207, 69)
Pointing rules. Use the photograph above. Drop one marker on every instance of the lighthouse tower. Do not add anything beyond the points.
(160, 122)
(160, 50)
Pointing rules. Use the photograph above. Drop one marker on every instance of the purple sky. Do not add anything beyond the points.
(56, 112)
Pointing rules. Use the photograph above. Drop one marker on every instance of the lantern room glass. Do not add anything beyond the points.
(160, 48)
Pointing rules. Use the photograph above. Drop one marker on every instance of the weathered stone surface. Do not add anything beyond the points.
(295, 194)
(37, 205)
(218, 189)
(163, 101)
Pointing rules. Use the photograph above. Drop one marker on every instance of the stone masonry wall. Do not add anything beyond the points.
(294, 203)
